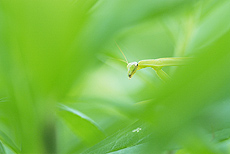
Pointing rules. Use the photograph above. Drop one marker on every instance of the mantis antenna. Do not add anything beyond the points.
(126, 61)
(122, 60)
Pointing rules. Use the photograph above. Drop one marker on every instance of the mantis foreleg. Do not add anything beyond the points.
(162, 74)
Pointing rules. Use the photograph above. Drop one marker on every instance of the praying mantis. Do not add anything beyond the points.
(155, 64)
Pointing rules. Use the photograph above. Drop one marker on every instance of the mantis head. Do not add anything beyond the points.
(132, 68)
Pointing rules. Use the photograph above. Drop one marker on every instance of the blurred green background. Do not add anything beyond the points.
(64, 90)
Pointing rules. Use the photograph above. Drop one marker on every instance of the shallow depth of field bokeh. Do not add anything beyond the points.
(64, 88)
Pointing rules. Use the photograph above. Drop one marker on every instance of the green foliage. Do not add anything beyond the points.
(63, 89)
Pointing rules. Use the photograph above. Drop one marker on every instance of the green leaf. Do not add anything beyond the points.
(82, 125)
(8, 142)
(127, 138)
(2, 150)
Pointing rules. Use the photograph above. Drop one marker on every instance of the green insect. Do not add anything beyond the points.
(156, 65)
